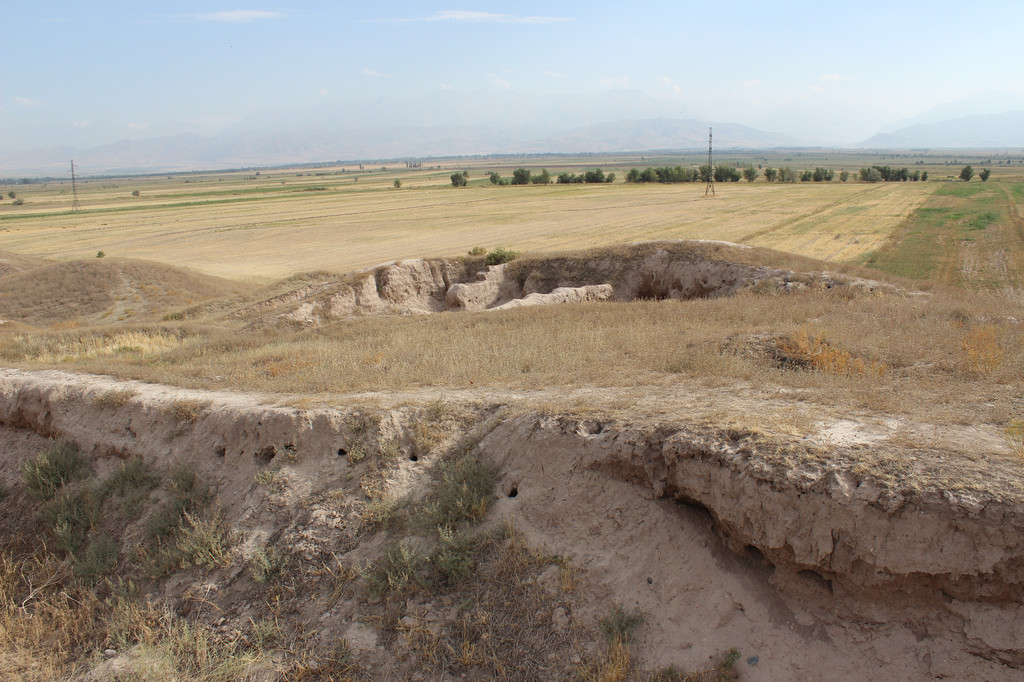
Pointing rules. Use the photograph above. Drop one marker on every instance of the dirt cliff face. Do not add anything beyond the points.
(806, 561)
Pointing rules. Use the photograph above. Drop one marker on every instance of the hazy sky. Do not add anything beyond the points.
(75, 69)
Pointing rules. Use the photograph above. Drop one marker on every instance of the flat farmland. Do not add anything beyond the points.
(261, 228)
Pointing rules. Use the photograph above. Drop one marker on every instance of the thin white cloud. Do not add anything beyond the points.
(26, 102)
(829, 77)
(138, 126)
(468, 16)
(499, 81)
(445, 86)
(622, 82)
(323, 92)
(665, 80)
(678, 89)
(551, 74)
(751, 83)
(376, 74)
(239, 16)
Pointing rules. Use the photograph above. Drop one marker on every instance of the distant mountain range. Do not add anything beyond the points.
(249, 149)
(980, 130)
(452, 124)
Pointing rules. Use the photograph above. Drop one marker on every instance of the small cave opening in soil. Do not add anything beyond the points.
(513, 491)
(414, 457)
(265, 456)
(342, 452)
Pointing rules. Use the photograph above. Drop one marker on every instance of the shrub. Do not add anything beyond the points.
(114, 398)
(187, 410)
(202, 542)
(501, 255)
(69, 517)
(266, 564)
(465, 493)
(100, 557)
(396, 568)
(58, 464)
(130, 475)
(454, 560)
(477, 251)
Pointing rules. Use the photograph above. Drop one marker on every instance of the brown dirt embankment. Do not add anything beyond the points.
(651, 270)
(798, 555)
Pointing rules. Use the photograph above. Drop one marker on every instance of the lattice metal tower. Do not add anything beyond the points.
(75, 206)
(711, 170)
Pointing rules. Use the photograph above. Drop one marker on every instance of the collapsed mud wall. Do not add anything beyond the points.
(646, 271)
(947, 564)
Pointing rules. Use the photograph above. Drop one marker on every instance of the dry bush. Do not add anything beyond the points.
(187, 411)
(114, 398)
(982, 352)
(809, 349)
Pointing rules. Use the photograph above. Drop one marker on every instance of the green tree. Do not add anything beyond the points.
(706, 173)
(844, 175)
(495, 178)
(787, 174)
(750, 173)
(633, 175)
(11, 194)
(924, 176)
(521, 176)
(770, 174)
(966, 173)
(610, 178)
(460, 179)
(398, 184)
(984, 173)
(542, 178)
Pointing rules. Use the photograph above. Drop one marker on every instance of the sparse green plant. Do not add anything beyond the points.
(621, 624)
(187, 495)
(271, 478)
(464, 494)
(58, 464)
(131, 475)
(99, 558)
(454, 558)
(203, 542)
(100, 254)
(501, 255)
(18, 202)
(266, 564)
(477, 251)
(69, 517)
(397, 184)
(397, 567)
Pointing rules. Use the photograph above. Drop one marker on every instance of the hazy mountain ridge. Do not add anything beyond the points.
(194, 152)
(976, 131)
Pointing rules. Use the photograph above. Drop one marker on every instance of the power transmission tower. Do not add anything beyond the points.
(75, 206)
(711, 170)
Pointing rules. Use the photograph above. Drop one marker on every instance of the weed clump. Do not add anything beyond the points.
(187, 411)
(465, 493)
(265, 564)
(114, 398)
(58, 464)
(501, 255)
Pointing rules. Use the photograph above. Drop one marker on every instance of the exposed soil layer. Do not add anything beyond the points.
(656, 270)
(816, 566)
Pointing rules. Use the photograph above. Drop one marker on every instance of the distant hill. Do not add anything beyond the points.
(982, 130)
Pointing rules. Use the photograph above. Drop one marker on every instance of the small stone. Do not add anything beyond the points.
(109, 653)
(753, 660)
(560, 620)
(650, 580)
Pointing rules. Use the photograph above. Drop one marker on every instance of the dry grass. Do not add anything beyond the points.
(936, 360)
(277, 232)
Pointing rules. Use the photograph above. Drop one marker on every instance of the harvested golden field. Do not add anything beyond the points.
(275, 225)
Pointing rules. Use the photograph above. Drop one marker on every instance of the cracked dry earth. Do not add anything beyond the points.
(837, 554)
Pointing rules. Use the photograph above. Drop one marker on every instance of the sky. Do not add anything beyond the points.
(89, 73)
